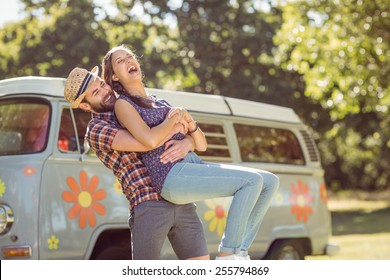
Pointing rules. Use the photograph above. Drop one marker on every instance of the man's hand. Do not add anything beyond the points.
(176, 150)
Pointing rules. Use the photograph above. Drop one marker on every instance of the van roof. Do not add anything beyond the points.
(32, 84)
(219, 104)
(207, 103)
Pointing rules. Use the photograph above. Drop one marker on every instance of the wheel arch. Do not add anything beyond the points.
(112, 244)
(301, 244)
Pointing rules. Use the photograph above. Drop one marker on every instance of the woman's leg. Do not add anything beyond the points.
(270, 187)
(189, 182)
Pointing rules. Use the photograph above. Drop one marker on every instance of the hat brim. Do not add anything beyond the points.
(95, 73)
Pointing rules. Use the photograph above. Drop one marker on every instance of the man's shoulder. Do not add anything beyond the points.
(100, 133)
(102, 121)
(97, 126)
(97, 121)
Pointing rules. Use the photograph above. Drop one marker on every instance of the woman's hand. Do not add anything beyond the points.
(187, 116)
(188, 122)
(176, 112)
(184, 124)
(183, 117)
(180, 128)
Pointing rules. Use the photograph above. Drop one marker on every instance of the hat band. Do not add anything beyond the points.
(84, 84)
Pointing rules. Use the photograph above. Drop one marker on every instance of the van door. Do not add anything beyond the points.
(24, 126)
(80, 196)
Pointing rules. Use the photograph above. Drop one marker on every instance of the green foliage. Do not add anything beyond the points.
(153, 41)
(342, 51)
(345, 58)
(223, 41)
(53, 39)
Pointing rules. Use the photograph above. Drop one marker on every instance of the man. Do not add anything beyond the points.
(151, 219)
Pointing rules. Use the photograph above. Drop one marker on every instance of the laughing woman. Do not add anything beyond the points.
(191, 179)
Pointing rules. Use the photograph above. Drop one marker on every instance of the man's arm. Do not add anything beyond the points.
(125, 142)
(175, 149)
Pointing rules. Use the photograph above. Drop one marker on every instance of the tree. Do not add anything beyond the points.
(223, 42)
(326, 59)
(54, 37)
(341, 49)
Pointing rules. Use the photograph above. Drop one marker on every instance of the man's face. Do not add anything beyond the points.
(99, 97)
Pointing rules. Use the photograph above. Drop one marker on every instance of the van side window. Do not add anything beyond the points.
(271, 145)
(217, 148)
(67, 141)
(24, 125)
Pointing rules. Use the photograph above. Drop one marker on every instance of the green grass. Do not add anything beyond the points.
(360, 226)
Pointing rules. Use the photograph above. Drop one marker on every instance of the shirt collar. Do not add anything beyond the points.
(107, 116)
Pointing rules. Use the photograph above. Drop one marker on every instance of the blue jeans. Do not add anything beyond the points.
(193, 180)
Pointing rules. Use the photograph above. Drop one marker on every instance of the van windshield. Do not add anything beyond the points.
(24, 125)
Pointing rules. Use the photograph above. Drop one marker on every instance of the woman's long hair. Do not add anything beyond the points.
(108, 72)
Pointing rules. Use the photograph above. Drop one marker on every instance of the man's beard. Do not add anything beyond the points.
(103, 108)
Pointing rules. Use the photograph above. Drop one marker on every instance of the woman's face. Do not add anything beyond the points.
(126, 67)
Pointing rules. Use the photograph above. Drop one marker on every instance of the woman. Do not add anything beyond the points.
(149, 120)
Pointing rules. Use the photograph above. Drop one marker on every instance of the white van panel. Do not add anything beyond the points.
(253, 109)
(33, 85)
(194, 101)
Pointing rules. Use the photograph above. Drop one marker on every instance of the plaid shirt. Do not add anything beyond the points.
(127, 167)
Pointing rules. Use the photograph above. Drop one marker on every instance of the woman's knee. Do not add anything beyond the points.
(270, 180)
(257, 180)
(273, 182)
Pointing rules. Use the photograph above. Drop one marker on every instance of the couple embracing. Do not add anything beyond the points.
(149, 145)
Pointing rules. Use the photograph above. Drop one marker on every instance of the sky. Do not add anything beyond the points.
(9, 11)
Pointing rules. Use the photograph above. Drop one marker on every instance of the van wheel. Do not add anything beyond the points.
(114, 253)
(285, 250)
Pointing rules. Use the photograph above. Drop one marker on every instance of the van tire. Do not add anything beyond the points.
(286, 250)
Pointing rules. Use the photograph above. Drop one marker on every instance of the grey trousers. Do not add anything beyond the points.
(152, 221)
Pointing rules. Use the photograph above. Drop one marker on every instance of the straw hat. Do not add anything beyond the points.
(77, 83)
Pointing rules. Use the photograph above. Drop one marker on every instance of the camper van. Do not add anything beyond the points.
(58, 201)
